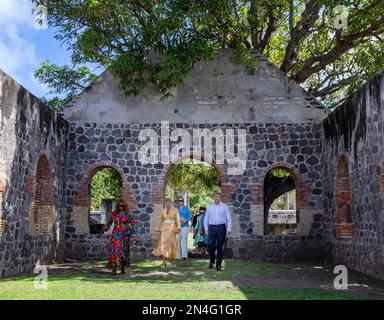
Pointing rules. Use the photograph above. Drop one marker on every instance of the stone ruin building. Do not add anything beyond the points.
(336, 160)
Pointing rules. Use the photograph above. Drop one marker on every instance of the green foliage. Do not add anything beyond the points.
(280, 172)
(243, 56)
(190, 175)
(64, 81)
(158, 42)
(200, 179)
(106, 184)
(204, 198)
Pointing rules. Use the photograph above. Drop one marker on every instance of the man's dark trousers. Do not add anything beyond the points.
(216, 239)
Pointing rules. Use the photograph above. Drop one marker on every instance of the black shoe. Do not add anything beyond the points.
(122, 271)
(211, 265)
(218, 268)
(114, 272)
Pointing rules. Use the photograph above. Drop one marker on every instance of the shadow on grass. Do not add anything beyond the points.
(254, 280)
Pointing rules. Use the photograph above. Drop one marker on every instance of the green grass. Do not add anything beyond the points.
(188, 280)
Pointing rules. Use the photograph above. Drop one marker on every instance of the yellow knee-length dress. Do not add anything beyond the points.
(168, 226)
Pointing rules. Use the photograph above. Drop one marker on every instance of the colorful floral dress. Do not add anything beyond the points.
(169, 227)
(125, 225)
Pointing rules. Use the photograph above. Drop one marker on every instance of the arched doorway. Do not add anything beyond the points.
(196, 181)
(105, 188)
(280, 202)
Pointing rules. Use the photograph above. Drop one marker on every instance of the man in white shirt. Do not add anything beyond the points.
(217, 224)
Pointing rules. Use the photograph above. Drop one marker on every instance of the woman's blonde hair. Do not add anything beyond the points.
(168, 200)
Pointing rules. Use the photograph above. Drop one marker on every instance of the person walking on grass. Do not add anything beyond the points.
(124, 227)
(169, 227)
(185, 216)
(217, 224)
(201, 239)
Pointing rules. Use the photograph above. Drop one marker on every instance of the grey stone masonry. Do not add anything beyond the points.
(47, 163)
(356, 130)
(28, 130)
(295, 146)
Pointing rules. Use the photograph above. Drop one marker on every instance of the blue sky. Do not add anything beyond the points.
(23, 46)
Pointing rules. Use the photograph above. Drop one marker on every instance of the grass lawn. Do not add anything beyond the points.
(188, 280)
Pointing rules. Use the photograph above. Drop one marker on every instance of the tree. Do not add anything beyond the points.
(277, 182)
(106, 184)
(63, 80)
(193, 176)
(159, 42)
(199, 179)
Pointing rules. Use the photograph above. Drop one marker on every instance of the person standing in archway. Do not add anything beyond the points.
(185, 216)
(201, 239)
(125, 225)
(217, 224)
(169, 227)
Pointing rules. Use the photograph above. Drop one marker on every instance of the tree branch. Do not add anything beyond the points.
(299, 32)
(343, 44)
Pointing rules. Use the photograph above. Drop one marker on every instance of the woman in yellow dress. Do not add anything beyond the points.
(169, 227)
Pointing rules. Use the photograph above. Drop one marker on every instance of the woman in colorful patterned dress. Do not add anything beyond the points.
(169, 227)
(125, 225)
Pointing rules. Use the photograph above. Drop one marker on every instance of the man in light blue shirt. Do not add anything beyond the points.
(185, 215)
(217, 224)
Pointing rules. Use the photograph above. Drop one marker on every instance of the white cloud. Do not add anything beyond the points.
(17, 12)
(17, 50)
(16, 53)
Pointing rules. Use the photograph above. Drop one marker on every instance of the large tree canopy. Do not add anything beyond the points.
(304, 38)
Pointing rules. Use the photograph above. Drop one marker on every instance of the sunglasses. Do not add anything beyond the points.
(180, 200)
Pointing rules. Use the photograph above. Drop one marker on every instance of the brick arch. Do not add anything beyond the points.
(43, 176)
(302, 190)
(30, 187)
(158, 190)
(82, 198)
(345, 212)
(41, 215)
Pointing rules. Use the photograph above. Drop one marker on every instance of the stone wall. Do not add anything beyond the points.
(31, 199)
(297, 147)
(355, 133)
(220, 88)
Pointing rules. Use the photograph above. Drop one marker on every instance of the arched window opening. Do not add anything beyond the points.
(344, 199)
(42, 212)
(280, 202)
(105, 188)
